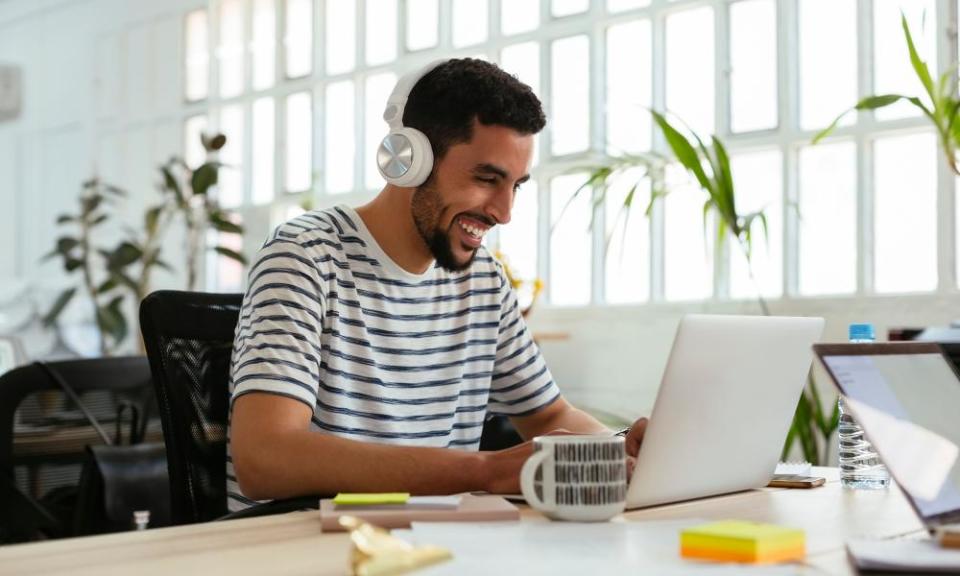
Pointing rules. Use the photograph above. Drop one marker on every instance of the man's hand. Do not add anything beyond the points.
(502, 468)
(635, 437)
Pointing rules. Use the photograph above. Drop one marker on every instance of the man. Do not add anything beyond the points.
(373, 342)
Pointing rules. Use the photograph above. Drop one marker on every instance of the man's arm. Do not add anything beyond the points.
(276, 455)
(559, 415)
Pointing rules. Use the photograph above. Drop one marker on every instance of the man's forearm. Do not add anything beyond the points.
(297, 463)
(575, 420)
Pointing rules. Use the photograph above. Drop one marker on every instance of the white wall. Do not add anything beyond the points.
(101, 97)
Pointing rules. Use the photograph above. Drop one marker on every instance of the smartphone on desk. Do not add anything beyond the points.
(795, 481)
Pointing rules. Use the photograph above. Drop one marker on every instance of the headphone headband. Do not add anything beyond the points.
(397, 102)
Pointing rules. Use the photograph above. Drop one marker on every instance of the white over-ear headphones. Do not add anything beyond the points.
(405, 157)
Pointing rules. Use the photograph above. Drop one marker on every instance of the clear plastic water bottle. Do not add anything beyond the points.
(860, 467)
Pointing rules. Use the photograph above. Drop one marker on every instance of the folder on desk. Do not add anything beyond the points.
(472, 508)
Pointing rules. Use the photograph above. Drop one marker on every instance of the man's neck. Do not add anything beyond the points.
(390, 221)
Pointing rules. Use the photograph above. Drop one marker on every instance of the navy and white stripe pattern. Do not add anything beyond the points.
(380, 354)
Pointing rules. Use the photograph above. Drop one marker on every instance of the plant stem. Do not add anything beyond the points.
(88, 281)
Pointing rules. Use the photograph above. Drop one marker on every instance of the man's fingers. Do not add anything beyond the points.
(635, 437)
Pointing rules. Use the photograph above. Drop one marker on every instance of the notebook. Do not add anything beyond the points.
(472, 508)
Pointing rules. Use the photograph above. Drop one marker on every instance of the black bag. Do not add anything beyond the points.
(117, 480)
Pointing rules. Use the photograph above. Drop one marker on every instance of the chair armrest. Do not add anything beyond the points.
(276, 507)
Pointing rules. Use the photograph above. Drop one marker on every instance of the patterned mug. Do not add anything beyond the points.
(580, 478)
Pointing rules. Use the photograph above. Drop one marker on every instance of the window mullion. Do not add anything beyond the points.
(658, 100)
(946, 179)
(865, 192)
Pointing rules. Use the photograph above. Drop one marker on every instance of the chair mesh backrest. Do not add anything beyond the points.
(189, 339)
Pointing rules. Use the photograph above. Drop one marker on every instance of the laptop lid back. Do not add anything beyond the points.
(906, 396)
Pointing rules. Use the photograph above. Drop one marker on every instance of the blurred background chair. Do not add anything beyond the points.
(44, 436)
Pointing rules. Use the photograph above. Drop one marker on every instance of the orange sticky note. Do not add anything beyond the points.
(740, 541)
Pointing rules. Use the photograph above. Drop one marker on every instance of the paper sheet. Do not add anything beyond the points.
(570, 548)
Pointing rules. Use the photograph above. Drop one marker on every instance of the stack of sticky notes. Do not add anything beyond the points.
(741, 541)
(394, 500)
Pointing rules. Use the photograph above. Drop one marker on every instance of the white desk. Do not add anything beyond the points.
(293, 543)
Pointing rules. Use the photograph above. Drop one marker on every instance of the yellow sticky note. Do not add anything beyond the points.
(740, 541)
(371, 498)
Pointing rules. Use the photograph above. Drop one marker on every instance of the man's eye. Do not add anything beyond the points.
(487, 180)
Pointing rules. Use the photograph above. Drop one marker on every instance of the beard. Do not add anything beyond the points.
(427, 207)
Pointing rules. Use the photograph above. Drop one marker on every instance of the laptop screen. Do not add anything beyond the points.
(907, 399)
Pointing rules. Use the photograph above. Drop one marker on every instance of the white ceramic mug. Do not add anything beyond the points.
(580, 478)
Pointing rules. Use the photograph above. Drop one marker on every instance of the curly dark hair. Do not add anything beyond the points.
(445, 101)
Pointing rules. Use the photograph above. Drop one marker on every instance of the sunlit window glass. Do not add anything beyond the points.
(378, 88)
(892, 70)
(299, 142)
(758, 182)
(197, 56)
(518, 16)
(828, 219)
(340, 139)
(523, 61)
(263, 140)
(341, 36)
(628, 87)
(905, 212)
(690, 69)
(381, 31)
(570, 241)
(518, 239)
(623, 5)
(423, 18)
(298, 39)
(263, 45)
(570, 93)
(628, 239)
(828, 60)
(230, 50)
(753, 59)
(688, 240)
(230, 188)
(470, 20)
(561, 8)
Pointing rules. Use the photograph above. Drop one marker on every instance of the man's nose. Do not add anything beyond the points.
(501, 205)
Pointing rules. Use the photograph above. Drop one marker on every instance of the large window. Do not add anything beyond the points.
(299, 88)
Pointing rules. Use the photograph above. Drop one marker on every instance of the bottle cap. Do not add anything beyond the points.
(862, 332)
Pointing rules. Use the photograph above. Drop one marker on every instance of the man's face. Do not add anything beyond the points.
(471, 190)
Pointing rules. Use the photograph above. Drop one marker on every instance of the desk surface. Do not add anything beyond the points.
(293, 543)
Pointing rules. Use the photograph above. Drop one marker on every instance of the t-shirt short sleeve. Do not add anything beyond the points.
(277, 344)
(521, 382)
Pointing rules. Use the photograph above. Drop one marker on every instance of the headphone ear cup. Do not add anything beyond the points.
(405, 157)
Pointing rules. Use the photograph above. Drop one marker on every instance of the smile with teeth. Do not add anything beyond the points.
(472, 230)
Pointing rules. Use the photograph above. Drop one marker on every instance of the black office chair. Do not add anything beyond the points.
(189, 340)
(45, 435)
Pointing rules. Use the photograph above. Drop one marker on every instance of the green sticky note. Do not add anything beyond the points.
(371, 498)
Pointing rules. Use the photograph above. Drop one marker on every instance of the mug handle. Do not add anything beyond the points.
(527, 474)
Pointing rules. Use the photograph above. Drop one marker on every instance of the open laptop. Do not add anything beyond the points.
(906, 396)
(724, 407)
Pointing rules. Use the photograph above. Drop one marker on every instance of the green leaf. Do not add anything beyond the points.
(116, 191)
(71, 264)
(682, 149)
(152, 218)
(125, 254)
(868, 103)
(90, 203)
(64, 218)
(122, 279)
(58, 306)
(231, 254)
(204, 177)
(171, 184)
(725, 197)
(221, 223)
(99, 220)
(919, 66)
(66, 244)
(111, 320)
(107, 285)
(213, 143)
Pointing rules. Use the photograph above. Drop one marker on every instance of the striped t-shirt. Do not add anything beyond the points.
(380, 354)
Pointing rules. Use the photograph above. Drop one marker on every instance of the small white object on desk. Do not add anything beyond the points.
(794, 468)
